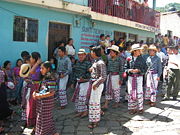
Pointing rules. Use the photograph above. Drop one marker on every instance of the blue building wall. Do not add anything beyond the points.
(10, 50)
(79, 2)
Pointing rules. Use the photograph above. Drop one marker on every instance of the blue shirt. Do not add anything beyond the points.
(64, 65)
(154, 63)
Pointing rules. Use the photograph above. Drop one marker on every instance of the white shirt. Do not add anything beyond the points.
(107, 43)
(162, 56)
(70, 50)
(174, 59)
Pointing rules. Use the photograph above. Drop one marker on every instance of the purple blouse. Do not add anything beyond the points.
(36, 75)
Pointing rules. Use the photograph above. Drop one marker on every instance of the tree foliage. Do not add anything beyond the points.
(169, 7)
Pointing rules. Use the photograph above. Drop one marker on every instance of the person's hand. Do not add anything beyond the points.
(90, 69)
(15, 82)
(131, 70)
(158, 78)
(34, 95)
(120, 82)
(81, 80)
(72, 86)
(39, 61)
(94, 87)
(136, 70)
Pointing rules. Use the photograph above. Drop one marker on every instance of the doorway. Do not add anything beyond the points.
(57, 32)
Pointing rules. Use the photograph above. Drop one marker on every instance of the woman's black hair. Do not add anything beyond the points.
(102, 35)
(62, 48)
(24, 54)
(49, 75)
(27, 58)
(18, 61)
(97, 51)
(6, 63)
(35, 55)
(69, 41)
(47, 65)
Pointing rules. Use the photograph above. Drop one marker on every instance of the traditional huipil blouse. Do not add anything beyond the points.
(115, 66)
(98, 73)
(154, 64)
(135, 63)
(44, 121)
(81, 70)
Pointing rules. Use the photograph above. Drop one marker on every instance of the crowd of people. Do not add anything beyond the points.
(33, 84)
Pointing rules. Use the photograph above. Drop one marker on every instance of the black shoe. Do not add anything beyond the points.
(174, 98)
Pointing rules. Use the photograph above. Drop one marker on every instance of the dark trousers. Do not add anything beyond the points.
(173, 81)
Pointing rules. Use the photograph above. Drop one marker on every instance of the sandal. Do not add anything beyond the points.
(141, 111)
(78, 115)
(133, 112)
(33, 132)
(116, 105)
(147, 102)
(84, 114)
(153, 104)
(93, 125)
(104, 107)
(102, 113)
(62, 107)
(1, 130)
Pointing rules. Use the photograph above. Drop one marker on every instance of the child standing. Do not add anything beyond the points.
(64, 69)
(45, 102)
(18, 79)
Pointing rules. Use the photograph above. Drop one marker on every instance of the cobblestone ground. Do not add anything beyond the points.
(159, 120)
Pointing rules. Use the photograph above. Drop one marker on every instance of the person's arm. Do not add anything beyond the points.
(87, 75)
(14, 78)
(69, 67)
(159, 67)
(67, 49)
(55, 54)
(127, 66)
(121, 68)
(33, 69)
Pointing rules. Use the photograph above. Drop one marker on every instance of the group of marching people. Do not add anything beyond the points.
(89, 88)
(90, 75)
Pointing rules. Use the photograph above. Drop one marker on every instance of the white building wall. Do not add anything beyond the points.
(170, 22)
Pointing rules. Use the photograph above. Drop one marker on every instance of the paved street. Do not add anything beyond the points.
(159, 120)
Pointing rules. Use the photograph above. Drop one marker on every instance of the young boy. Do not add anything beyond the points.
(64, 68)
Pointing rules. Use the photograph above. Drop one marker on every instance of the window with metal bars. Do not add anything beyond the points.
(25, 29)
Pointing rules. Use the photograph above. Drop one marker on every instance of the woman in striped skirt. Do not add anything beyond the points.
(32, 85)
(45, 102)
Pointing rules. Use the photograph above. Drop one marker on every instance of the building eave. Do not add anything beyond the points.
(63, 6)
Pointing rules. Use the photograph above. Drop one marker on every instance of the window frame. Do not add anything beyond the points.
(26, 29)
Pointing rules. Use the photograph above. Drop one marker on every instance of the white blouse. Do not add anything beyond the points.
(70, 50)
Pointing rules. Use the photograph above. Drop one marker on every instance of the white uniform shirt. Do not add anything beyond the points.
(162, 56)
(174, 59)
